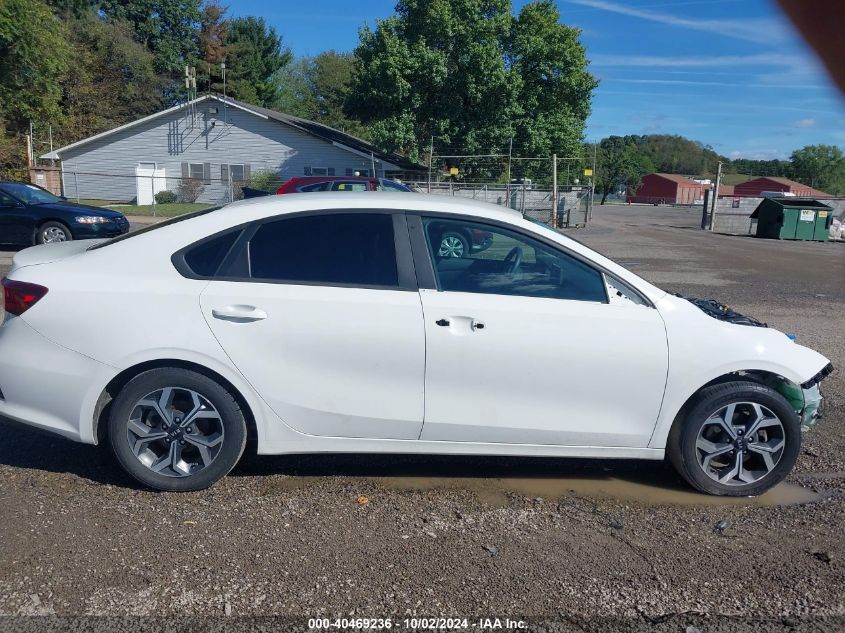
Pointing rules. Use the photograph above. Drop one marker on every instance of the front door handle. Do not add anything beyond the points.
(443, 322)
(239, 314)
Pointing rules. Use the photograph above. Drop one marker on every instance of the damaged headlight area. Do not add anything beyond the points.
(807, 398)
(720, 311)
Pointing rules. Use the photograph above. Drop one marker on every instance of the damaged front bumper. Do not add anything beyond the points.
(807, 398)
(813, 400)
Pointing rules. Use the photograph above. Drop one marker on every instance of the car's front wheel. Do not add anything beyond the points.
(52, 232)
(736, 439)
(175, 429)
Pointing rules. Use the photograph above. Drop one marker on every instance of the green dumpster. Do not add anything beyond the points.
(793, 219)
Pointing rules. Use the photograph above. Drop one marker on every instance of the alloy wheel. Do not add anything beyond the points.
(53, 234)
(740, 444)
(175, 432)
(451, 246)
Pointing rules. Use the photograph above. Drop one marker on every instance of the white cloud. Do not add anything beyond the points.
(758, 154)
(709, 61)
(761, 30)
(805, 123)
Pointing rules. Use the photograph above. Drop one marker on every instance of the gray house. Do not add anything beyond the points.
(204, 149)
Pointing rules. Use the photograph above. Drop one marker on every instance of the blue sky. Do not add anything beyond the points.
(730, 73)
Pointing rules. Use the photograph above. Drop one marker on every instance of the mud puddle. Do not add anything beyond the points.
(495, 480)
(495, 491)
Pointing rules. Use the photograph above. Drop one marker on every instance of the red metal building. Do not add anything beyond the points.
(668, 189)
(757, 186)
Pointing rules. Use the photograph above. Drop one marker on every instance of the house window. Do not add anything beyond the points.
(358, 172)
(239, 173)
(195, 171)
(319, 171)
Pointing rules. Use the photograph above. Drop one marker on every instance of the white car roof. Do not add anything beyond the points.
(291, 203)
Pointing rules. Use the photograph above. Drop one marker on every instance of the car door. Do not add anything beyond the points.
(320, 313)
(525, 347)
(16, 223)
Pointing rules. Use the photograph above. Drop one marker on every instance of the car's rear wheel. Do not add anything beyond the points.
(53, 232)
(175, 429)
(453, 244)
(736, 439)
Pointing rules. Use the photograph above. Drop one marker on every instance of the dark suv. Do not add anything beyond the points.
(30, 214)
(302, 184)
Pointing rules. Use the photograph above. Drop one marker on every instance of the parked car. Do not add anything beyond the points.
(328, 323)
(30, 214)
(307, 184)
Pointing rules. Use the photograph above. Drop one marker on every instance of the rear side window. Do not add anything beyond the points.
(205, 258)
(342, 249)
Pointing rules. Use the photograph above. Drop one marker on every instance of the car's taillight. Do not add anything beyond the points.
(19, 296)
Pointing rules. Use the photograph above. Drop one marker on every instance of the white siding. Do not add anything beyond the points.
(105, 168)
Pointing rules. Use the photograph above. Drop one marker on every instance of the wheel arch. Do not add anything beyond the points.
(766, 377)
(110, 391)
(42, 221)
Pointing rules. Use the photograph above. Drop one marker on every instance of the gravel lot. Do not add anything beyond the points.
(565, 545)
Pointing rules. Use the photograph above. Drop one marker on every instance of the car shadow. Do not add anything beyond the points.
(30, 449)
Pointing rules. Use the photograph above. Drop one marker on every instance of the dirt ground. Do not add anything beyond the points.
(561, 545)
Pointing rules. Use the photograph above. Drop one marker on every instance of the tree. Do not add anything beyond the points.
(295, 89)
(33, 59)
(110, 81)
(820, 166)
(255, 56)
(211, 42)
(619, 162)
(553, 97)
(166, 27)
(436, 68)
(331, 75)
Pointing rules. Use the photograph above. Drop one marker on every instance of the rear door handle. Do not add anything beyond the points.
(239, 314)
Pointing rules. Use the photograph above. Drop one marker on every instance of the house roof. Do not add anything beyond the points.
(792, 184)
(678, 178)
(330, 135)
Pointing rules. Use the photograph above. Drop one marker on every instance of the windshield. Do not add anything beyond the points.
(29, 194)
(153, 227)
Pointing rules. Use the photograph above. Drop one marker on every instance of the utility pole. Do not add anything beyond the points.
(510, 155)
(52, 161)
(373, 164)
(593, 181)
(430, 159)
(715, 197)
(554, 191)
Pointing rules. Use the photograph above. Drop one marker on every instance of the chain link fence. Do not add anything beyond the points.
(574, 202)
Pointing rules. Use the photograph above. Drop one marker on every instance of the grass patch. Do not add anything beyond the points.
(161, 210)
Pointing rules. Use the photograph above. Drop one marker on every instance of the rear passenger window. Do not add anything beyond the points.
(204, 259)
(343, 249)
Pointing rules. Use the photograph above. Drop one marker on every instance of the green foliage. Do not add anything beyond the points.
(34, 56)
(165, 197)
(317, 88)
(166, 27)
(295, 89)
(111, 79)
(674, 154)
(554, 87)
(820, 166)
(620, 163)
(437, 67)
(256, 55)
(265, 180)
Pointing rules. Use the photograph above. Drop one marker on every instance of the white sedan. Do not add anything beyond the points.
(324, 323)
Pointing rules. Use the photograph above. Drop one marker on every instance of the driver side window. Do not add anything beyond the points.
(476, 257)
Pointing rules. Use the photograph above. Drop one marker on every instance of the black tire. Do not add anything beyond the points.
(684, 455)
(454, 238)
(230, 419)
(41, 237)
